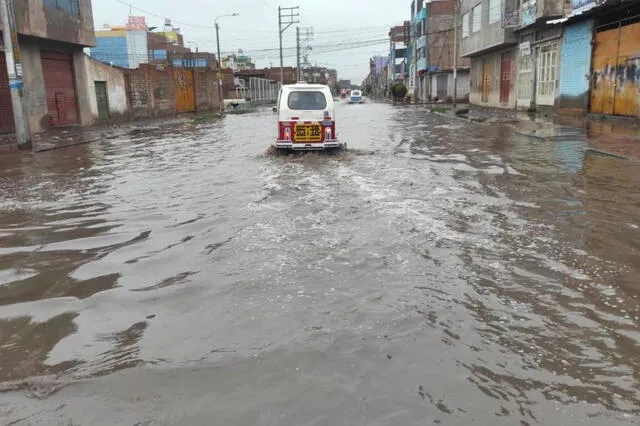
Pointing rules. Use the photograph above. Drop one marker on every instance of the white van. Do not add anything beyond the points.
(355, 97)
(306, 118)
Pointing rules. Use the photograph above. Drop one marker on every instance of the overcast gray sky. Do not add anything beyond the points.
(346, 32)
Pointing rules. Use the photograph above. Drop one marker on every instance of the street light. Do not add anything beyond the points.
(219, 59)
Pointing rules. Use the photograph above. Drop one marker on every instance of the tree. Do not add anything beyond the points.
(398, 91)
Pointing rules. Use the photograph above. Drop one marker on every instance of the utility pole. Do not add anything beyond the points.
(14, 69)
(308, 37)
(455, 51)
(220, 88)
(285, 20)
(220, 91)
(298, 53)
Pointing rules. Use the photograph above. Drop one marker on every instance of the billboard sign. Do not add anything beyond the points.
(136, 23)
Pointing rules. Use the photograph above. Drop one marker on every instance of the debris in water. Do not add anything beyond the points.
(35, 387)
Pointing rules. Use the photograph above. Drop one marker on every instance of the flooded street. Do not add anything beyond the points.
(438, 272)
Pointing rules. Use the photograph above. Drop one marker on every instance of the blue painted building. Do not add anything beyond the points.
(121, 47)
(575, 66)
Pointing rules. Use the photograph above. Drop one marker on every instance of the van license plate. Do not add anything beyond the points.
(307, 133)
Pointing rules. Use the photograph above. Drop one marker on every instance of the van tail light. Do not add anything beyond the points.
(284, 131)
(330, 130)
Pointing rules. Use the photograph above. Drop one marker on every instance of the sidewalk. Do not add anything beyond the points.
(617, 136)
(68, 136)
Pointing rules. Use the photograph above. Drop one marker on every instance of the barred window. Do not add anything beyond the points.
(69, 6)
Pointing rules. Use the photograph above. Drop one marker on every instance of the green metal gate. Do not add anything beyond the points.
(103, 100)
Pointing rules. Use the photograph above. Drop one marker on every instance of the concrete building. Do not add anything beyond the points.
(123, 46)
(418, 49)
(51, 38)
(238, 62)
(290, 74)
(538, 53)
(489, 42)
(399, 37)
(376, 81)
(134, 44)
(322, 75)
(440, 51)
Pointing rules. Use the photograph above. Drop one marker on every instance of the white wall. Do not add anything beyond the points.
(116, 87)
(462, 86)
(137, 48)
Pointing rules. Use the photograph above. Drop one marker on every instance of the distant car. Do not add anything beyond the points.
(355, 97)
(306, 118)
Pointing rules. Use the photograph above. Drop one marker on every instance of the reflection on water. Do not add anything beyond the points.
(505, 267)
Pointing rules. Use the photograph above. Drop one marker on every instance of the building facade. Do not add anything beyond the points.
(489, 43)
(51, 38)
(538, 53)
(441, 48)
(399, 37)
(123, 46)
(419, 44)
(238, 62)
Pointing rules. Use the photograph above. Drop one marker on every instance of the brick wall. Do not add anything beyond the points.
(207, 93)
(440, 41)
(163, 90)
(151, 92)
(138, 92)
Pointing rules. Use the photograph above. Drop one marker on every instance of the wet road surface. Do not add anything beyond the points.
(439, 272)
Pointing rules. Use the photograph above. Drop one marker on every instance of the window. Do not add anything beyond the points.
(495, 9)
(465, 25)
(476, 18)
(69, 6)
(308, 100)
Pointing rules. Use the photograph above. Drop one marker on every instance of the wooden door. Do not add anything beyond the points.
(486, 81)
(103, 100)
(603, 78)
(185, 93)
(626, 100)
(505, 78)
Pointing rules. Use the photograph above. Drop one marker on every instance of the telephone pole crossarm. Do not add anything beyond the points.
(287, 16)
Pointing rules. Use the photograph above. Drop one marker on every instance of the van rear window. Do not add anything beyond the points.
(306, 100)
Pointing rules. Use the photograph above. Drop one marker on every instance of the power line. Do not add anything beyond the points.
(130, 6)
(291, 16)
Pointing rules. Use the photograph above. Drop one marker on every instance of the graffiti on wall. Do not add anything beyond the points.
(615, 79)
(620, 76)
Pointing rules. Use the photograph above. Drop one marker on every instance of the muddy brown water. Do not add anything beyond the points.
(439, 272)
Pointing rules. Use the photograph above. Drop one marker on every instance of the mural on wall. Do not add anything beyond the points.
(615, 80)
